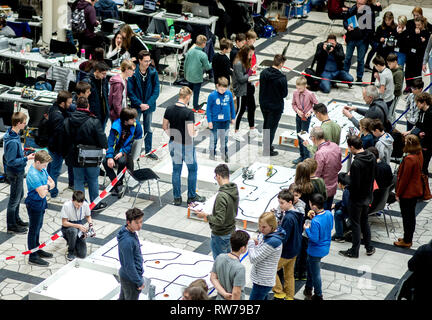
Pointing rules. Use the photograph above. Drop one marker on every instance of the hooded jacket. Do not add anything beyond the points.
(83, 128)
(222, 219)
(423, 124)
(273, 89)
(13, 152)
(138, 95)
(56, 117)
(98, 92)
(385, 147)
(106, 9)
(362, 175)
(265, 256)
(377, 110)
(328, 157)
(115, 98)
(131, 260)
(292, 223)
(319, 234)
(90, 18)
(114, 137)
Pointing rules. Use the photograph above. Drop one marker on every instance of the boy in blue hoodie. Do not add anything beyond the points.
(319, 234)
(15, 163)
(292, 223)
(341, 208)
(131, 261)
(220, 112)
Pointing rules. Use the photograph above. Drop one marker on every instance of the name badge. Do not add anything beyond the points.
(413, 50)
(217, 101)
(220, 116)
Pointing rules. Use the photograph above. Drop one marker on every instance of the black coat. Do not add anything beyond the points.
(273, 89)
(96, 96)
(362, 175)
(56, 117)
(321, 56)
(83, 127)
(420, 264)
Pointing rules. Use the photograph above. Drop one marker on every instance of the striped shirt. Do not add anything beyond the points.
(264, 258)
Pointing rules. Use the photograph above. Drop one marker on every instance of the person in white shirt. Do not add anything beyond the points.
(72, 213)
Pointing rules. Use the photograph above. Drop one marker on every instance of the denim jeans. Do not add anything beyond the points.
(75, 244)
(90, 175)
(339, 217)
(302, 125)
(342, 75)
(259, 292)
(361, 46)
(147, 132)
(179, 153)
(16, 194)
(314, 274)
(128, 290)
(54, 169)
(196, 88)
(401, 59)
(220, 244)
(35, 225)
(220, 130)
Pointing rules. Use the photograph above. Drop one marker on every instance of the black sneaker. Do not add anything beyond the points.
(359, 80)
(273, 153)
(38, 261)
(177, 201)
(338, 239)
(350, 85)
(16, 229)
(153, 156)
(100, 206)
(317, 298)
(44, 254)
(70, 257)
(226, 159)
(348, 253)
(22, 223)
(196, 199)
(307, 292)
(370, 251)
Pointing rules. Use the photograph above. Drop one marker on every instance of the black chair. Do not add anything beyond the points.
(36, 114)
(379, 205)
(143, 175)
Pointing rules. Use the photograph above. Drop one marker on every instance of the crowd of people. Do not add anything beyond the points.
(293, 238)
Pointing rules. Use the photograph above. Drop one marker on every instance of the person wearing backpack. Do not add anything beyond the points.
(83, 127)
(55, 124)
(84, 21)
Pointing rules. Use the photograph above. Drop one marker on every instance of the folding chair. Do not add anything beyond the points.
(380, 207)
(143, 175)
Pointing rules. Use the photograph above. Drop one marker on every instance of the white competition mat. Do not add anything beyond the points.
(169, 269)
(259, 194)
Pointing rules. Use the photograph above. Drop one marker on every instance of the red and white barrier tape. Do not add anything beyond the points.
(59, 234)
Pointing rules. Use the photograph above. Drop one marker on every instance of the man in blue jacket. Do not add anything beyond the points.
(131, 261)
(123, 133)
(292, 223)
(143, 91)
(98, 98)
(15, 163)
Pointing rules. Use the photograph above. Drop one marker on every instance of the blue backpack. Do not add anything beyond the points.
(43, 85)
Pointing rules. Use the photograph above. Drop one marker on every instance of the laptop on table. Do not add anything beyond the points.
(173, 10)
(201, 11)
(149, 6)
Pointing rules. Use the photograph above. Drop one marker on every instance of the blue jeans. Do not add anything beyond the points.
(220, 130)
(54, 169)
(186, 153)
(35, 225)
(342, 75)
(401, 59)
(339, 217)
(302, 126)
(220, 244)
(259, 292)
(90, 175)
(314, 274)
(16, 194)
(361, 46)
(147, 132)
(196, 88)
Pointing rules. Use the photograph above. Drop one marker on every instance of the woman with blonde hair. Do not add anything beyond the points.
(409, 188)
(264, 253)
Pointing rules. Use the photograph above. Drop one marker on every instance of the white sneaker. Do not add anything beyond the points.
(254, 133)
(237, 136)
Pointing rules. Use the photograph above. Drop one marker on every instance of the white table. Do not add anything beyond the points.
(137, 11)
(47, 97)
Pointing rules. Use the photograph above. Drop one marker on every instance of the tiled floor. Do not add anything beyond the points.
(366, 278)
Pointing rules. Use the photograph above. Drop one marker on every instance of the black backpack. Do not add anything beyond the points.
(312, 83)
(42, 133)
